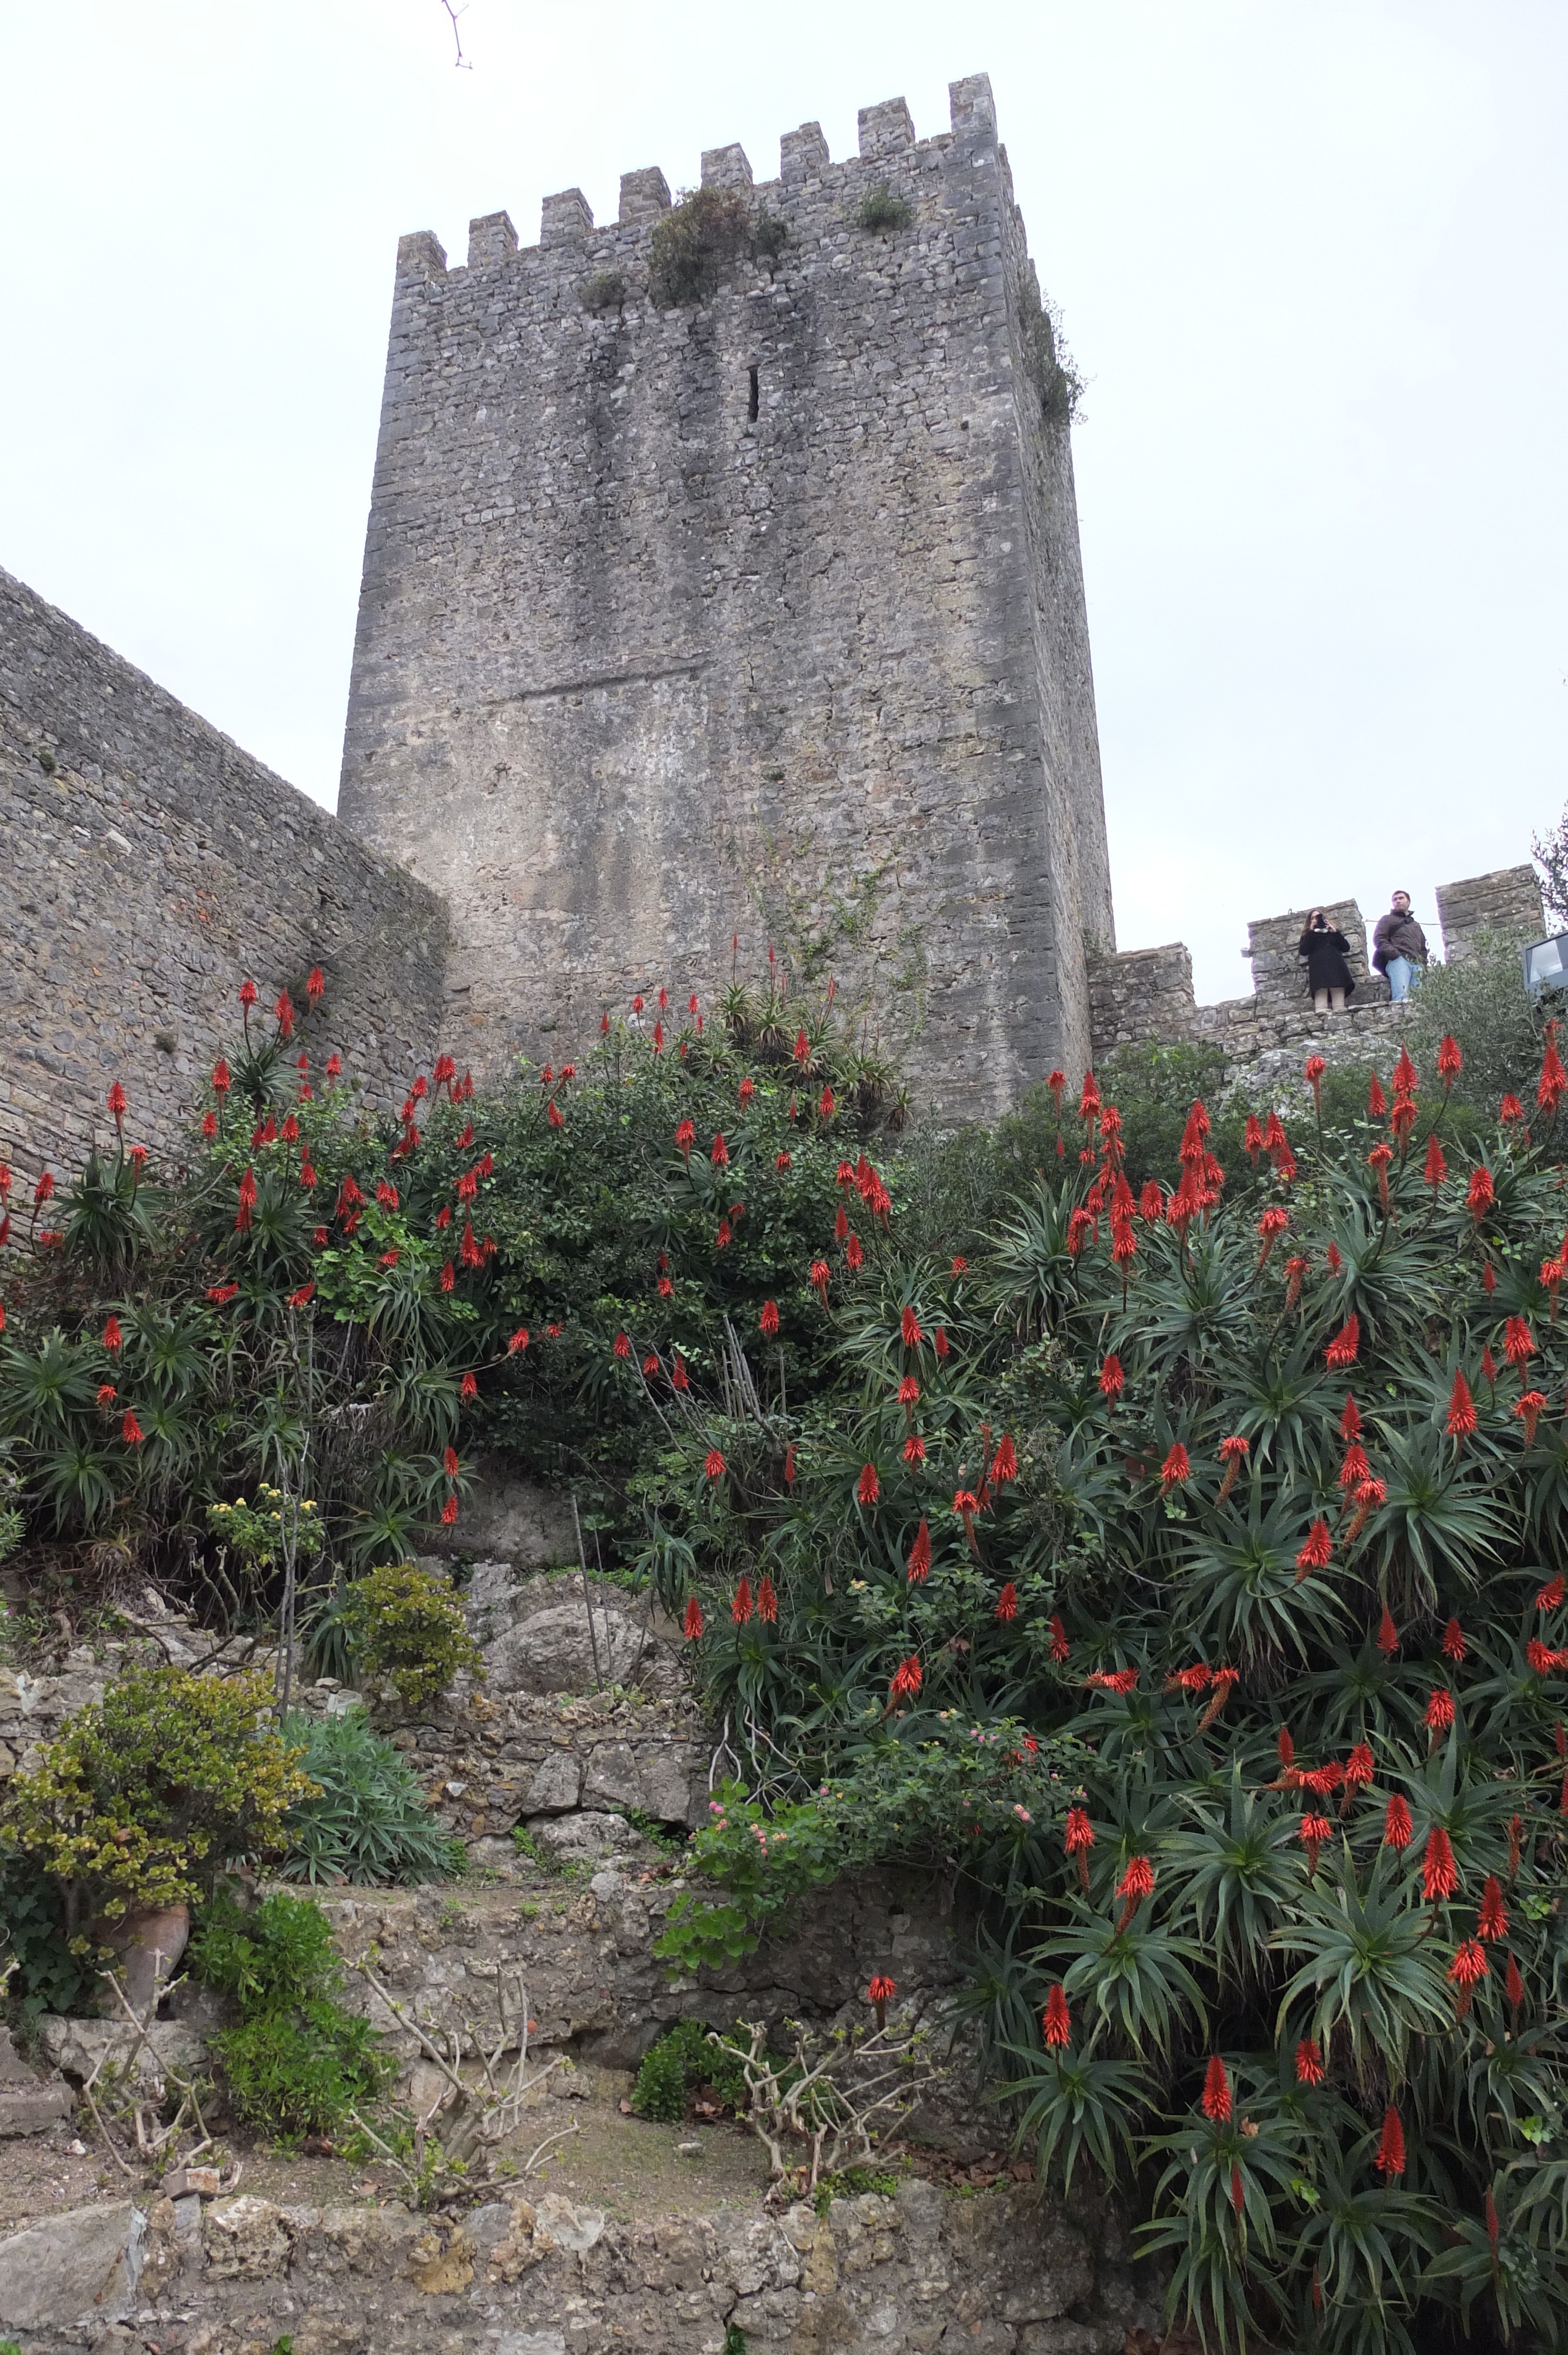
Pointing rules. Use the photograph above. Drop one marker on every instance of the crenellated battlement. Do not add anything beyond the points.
(887, 143)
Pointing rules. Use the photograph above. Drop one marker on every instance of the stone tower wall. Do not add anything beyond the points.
(636, 670)
(149, 867)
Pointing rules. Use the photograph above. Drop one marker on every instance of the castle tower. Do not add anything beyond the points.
(749, 605)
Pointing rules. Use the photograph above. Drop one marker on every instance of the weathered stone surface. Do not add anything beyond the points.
(77, 2046)
(552, 1651)
(507, 1520)
(149, 867)
(583, 1955)
(14, 2070)
(33, 2109)
(1002, 2272)
(557, 1785)
(1506, 902)
(79, 2268)
(791, 576)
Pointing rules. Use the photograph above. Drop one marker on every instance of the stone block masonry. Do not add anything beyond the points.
(761, 613)
(149, 867)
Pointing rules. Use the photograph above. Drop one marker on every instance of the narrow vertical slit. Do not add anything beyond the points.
(751, 405)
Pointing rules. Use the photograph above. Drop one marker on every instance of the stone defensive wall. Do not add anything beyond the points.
(151, 866)
(1147, 994)
(756, 610)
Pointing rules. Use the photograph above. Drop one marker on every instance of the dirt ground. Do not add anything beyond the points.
(624, 2165)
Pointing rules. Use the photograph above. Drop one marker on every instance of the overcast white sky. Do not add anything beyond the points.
(1311, 258)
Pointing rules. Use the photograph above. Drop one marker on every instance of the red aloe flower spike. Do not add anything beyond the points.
(692, 1623)
(1377, 1103)
(1233, 1456)
(1491, 1921)
(1314, 1554)
(1006, 1601)
(1397, 1827)
(1176, 1469)
(1391, 2148)
(881, 1992)
(1550, 1596)
(919, 1567)
(1439, 1711)
(1351, 1419)
(113, 1337)
(1225, 1682)
(130, 1429)
(767, 1603)
(1519, 1342)
(907, 1678)
(1453, 1641)
(1136, 1883)
(1439, 1874)
(1462, 1417)
(714, 1466)
(1056, 2019)
(1478, 1195)
(1450, 1062)
(1060, 1647)
(1315, 1830)
(1078, 1837)
(1342, 1351)
(1360, 1767)
(1216, 2091)
(868, 1488)
(1112, 1378)
(1513, 1986)
(1309, 2070)
(1387, 1634)
(741, 1608)
(1553, 1077)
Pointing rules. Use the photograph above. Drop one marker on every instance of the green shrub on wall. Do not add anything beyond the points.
(407, 1632)
(368, 1820)
(296, 2063)
(149, 1793)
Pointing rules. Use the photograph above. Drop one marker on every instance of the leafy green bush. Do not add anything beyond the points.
(297, 2063)
(1481, 1000)
(882, 208)
(40, 1970)
(149, 1793)
(368, 1820)
(1225, 1534)
(694, 242)
(407, 1630)
(682, 2062)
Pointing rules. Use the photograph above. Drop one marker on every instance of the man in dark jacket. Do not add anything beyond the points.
(1399, 947)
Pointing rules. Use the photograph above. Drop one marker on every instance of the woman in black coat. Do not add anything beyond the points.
(1327, 952)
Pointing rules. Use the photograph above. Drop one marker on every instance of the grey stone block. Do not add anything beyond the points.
(81, 2267)
(33, 2109)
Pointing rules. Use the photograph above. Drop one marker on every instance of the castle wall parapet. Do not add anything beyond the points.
(151, 866)
(1506, 902)
(1145, 996)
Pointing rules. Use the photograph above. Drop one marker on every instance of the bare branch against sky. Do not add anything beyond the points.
(453, 15)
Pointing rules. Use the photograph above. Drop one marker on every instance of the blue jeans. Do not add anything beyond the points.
(1402, 977)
